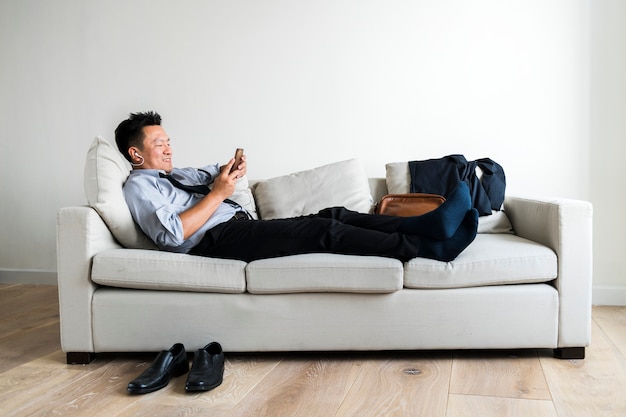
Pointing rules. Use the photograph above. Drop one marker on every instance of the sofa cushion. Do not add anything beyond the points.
(106, 171)
(398, 180)
(156, 270)
(342, 183)
(243, 196)
(398, 177)
(324, 273)
(491, 259)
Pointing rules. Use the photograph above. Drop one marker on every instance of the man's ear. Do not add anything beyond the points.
(136, 160)
(133, 152)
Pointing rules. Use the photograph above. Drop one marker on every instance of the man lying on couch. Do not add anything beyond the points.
(173, 206)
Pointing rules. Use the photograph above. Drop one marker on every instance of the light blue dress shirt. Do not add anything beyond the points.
(155, 204)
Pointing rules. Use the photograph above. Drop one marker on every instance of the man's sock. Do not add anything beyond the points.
(442, 222)
(447, 250)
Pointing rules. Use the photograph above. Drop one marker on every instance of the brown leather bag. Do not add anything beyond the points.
(412, 204)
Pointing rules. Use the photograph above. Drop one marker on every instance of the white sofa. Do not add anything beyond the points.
(527, 289)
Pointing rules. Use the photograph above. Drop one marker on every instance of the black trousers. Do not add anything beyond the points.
(332, 230)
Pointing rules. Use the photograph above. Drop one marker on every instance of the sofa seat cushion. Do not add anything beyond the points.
(156, 270)
(492, 259)
(318, 272)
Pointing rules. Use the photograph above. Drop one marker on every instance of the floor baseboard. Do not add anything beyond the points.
(30, 277)
(609, 295)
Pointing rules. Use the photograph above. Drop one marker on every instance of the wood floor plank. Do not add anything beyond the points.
(23, 298)
(612, 320)
(29, 320)
(31, 386)
(4, 287)
(101, 392)
(302, 385)
(26, 346)
(595, 386)
(154, 409)
(513, 374)
(473, 406)
(10, 291)
(400, 384)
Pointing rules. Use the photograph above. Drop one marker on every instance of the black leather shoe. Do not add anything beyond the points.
(207, 371)
(167, 364)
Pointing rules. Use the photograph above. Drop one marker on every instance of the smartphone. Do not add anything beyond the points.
(238, 155)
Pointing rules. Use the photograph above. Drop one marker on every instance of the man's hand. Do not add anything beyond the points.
(224, 183)
(241, 169)
(223, 187)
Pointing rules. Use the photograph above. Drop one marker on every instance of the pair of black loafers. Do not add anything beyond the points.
(207, 371)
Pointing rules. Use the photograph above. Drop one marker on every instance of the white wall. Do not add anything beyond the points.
(608, 147)
(298, 84)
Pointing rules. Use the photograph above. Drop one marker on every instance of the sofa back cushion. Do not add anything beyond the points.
(106, 171)
(343, 183)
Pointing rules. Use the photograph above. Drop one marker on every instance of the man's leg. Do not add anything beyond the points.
(259, 239)
(441, 223)
(448, 250)
(381, 223)
(251, 240)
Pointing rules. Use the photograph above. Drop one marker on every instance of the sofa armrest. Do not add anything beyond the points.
(565, 226)
(81, 234)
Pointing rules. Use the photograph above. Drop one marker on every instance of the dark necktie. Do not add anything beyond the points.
(198, 189)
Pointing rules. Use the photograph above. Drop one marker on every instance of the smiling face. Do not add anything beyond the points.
(156, 152)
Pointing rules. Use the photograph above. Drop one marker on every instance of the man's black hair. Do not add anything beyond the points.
(130, 131)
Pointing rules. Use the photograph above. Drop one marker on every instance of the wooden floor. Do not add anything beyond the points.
(35, 381)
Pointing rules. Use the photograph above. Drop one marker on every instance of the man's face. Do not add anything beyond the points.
(156, 151)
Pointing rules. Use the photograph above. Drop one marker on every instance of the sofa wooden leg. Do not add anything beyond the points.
(80, 358)
(570, 353)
